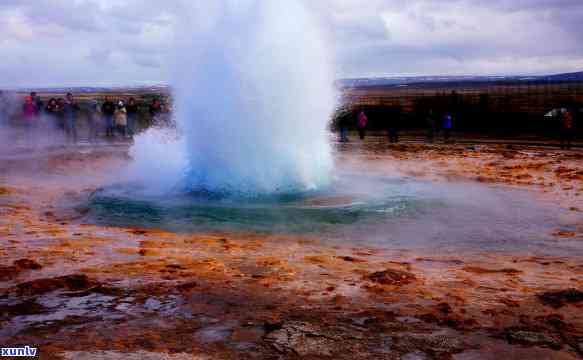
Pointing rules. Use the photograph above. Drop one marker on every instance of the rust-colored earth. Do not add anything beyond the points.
(82, 291)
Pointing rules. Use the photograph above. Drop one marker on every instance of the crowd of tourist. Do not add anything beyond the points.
(119, 118)
(444, 124)
(115, 118)
(433, 125)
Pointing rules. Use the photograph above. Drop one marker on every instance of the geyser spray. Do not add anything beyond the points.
(254, 93)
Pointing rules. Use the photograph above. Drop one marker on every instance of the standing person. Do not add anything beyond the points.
(362, 122)
(52, 110)
(567, 126)
(393, 124)
(94, 116)
(447, 126)
(10, 108)
(121, 118)
(393, 131)
(2, 103)
(132, 111)
(37, 103)
(29, 111)
(60, 112)
(155, 109)
(108, 110)
(29, 117)
(430, 124)
(71, 109)
(4, 109)
(343, 123)
(51, 106)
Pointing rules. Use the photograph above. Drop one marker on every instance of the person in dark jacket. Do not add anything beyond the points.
(343, 124)
(155, 110)
(393, 124)
(37, 103)
(132, 115)
(430, 126)
(61, 114)
(93, 120)
(567, 127)
(71, 109)
(4, 108)
(52, 111)
(108, 110)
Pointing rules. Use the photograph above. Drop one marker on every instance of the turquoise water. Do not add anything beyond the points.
(357, 209)
(308, 212)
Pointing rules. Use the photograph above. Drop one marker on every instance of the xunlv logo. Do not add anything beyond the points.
(26, 351)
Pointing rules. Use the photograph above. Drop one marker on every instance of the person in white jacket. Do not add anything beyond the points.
(121, 118)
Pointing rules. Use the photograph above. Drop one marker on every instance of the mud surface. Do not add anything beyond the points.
(83, 291)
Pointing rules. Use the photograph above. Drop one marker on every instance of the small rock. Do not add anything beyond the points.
(431, 344)
(309, 340)
(531, 338)
(27, 264)
(391, 277)
(558, 299)
(10, 272)
(478, 270)
(75, 282)
(444, 308)
(187, 286)
(351, 259)
(270, 326)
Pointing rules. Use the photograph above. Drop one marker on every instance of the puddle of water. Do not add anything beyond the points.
(215, 333)
(57, 307)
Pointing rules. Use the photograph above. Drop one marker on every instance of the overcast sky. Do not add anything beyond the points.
(101, 42)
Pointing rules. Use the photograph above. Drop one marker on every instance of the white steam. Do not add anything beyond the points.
(254, 93)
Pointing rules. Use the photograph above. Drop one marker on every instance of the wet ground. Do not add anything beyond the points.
(82, 286)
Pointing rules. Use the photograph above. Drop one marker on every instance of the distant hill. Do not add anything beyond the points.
(98, 89)
(412, 80)
(394, 81)
(574, 76)
(408, 80)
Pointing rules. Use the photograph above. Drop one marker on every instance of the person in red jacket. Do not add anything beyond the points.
(29, 111)
(361, 124)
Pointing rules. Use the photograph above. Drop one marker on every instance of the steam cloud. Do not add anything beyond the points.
(254, 94)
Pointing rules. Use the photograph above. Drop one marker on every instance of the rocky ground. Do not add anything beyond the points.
(81, 291)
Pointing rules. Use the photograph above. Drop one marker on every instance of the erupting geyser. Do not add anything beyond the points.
(254, 92)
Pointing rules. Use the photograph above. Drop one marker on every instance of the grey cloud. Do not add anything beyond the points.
(147, 61)
(54, 42)
(432, 37)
